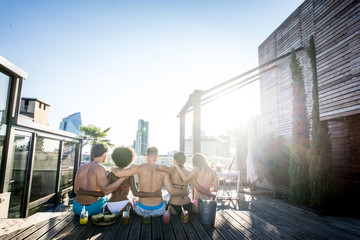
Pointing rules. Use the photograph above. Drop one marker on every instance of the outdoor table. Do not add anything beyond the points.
(230, 173)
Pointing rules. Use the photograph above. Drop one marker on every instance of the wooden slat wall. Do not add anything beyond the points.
(275, 85)
(345, 139)
(336, 27)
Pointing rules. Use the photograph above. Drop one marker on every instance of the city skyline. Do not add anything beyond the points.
(117, 62)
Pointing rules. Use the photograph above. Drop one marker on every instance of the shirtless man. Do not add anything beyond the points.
(151, 179)
(93, 177)
(122, 157)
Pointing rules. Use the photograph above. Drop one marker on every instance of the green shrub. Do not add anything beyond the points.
(299, 167)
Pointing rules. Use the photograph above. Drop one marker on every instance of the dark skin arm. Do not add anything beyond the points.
(202, 190)
(188, 177)
(192, 178)
(82, 191)
(136, 193)
(193, 181)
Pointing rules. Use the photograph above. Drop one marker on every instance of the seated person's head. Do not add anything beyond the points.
(123, 156)
(199, 160)
(97, 150)
(180, 158)
(152, 151)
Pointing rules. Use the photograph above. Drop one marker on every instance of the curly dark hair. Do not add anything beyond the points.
(97, 150)
(180, 158)
(123, 156)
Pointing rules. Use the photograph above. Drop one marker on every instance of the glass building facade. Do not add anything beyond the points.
(72, 123)
(37, 163)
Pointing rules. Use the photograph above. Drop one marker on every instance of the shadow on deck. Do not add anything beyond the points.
(255, 216)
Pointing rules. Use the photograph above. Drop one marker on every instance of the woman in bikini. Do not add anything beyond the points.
(203, 174)
(175, 202)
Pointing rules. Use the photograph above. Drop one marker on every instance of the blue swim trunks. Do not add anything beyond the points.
(95, 208)
(152, 211)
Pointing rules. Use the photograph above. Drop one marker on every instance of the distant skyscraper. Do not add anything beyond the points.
(72, 123)
(142, 138)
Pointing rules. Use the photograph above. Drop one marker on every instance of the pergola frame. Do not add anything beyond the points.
(199, 98)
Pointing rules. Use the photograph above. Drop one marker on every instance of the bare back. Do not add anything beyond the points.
(179, 183)
(151, 179)
(86, 178)
(205, 177)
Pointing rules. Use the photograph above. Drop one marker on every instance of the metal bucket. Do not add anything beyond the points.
(207, 212)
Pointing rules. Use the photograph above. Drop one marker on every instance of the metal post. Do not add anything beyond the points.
(196, 96)
(182, 132)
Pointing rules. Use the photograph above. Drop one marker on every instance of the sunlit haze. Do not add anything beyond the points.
(120, 61)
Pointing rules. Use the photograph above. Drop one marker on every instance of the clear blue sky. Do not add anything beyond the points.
(120, 61)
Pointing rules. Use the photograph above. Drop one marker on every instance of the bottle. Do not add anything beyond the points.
(146, 219)
(125, 218)
(184, 216)
(83, 216)
(198, 198)
(166, 217)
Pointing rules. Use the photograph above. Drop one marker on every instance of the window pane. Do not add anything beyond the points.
(4, 92)
(45, 168)
(1, 149)
(67, 165)
(17, 173)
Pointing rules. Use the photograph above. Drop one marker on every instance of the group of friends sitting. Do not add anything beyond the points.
(93, 184)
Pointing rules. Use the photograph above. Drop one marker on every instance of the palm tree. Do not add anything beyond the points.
(93, 135)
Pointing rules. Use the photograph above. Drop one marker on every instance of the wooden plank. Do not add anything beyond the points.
(12, 227)
(210, 231)
(282, 226)
(67, 230)
(146, 230)
(52, 232)
(99, 233)
(22, 232)
(308, 225)
(229, 227)
(177, 227)
(135, 229)
(156, 228)
(218, 228)
(113, 230)
(119, 231)
(39, 232)
(79, 231)
(267, 228)
(238, 226)
(200, 230)
(168, 231)
(188, 229)
(250, 227)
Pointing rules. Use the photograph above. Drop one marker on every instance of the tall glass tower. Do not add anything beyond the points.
(72, 123)
(142, 138)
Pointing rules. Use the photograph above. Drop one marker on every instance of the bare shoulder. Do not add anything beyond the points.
(161, 173)
(98, 168)
(142, 167)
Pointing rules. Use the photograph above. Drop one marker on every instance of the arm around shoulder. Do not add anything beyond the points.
(173, 190)
(125, 172)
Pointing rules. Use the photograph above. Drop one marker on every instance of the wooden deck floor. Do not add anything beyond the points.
(258, 217)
